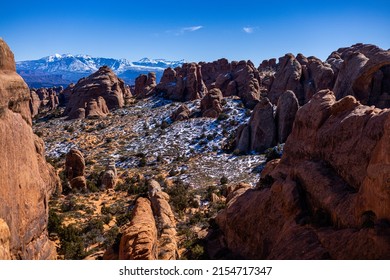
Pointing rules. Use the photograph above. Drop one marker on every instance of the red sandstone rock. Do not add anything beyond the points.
(139, 238)
(103, 83)
(330, 191)
(210, 104)
(26, 180)
(144, 85)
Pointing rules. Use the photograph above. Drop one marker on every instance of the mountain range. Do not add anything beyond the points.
(61, 70)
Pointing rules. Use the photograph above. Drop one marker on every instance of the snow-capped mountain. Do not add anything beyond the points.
(67, 68)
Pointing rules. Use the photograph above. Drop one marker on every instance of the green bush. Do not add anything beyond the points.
(180, 195)
(224, 180)
(72, 244)
(54, 224)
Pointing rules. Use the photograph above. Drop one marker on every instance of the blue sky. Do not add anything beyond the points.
(191, 30)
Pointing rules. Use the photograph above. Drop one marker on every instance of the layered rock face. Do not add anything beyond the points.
(151, 233)
(96, 94)
(26, 180)
(330, 192)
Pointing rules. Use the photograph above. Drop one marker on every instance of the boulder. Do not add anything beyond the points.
(109, 176)
(181, 113)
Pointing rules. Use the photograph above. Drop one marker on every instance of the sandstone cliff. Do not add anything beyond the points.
(26, 180)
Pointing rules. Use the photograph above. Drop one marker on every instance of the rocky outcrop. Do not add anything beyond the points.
(287, 108)
(214, 73)
(109, 176)
(144, 85)
(64, 95)
(151, 234)
(139, 237)
(167, 244)
(245, 83)
(210, 104)
(182, 113)
(5, 237)
(328, 197)
(75, 169)
(26, 180)
(182, 84)
(260, 133)
(364, 73)
(35, 103)
(88, 94)
(287, 77)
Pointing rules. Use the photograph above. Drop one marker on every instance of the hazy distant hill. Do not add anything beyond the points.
(59, 69)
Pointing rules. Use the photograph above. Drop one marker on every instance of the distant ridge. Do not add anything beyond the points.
(61, 70)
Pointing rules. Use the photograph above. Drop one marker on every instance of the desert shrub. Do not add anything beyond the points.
(123, 219)
(273, 153)
(223, 116)
(70, 129)
(224, 180)
(180, 195)
(111, 236)
(54, 224)
(72, 244)
(70, 205)
(142, 162)
(164, 125)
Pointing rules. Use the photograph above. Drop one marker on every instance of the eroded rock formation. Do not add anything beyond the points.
(139, 238)
(260, 132)
(109, 176)
(26, 180)
(96, 94)
(151, 233)
(329, 195)
(210, 104)
(183, 84)
(144, 85)
(75, 169)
